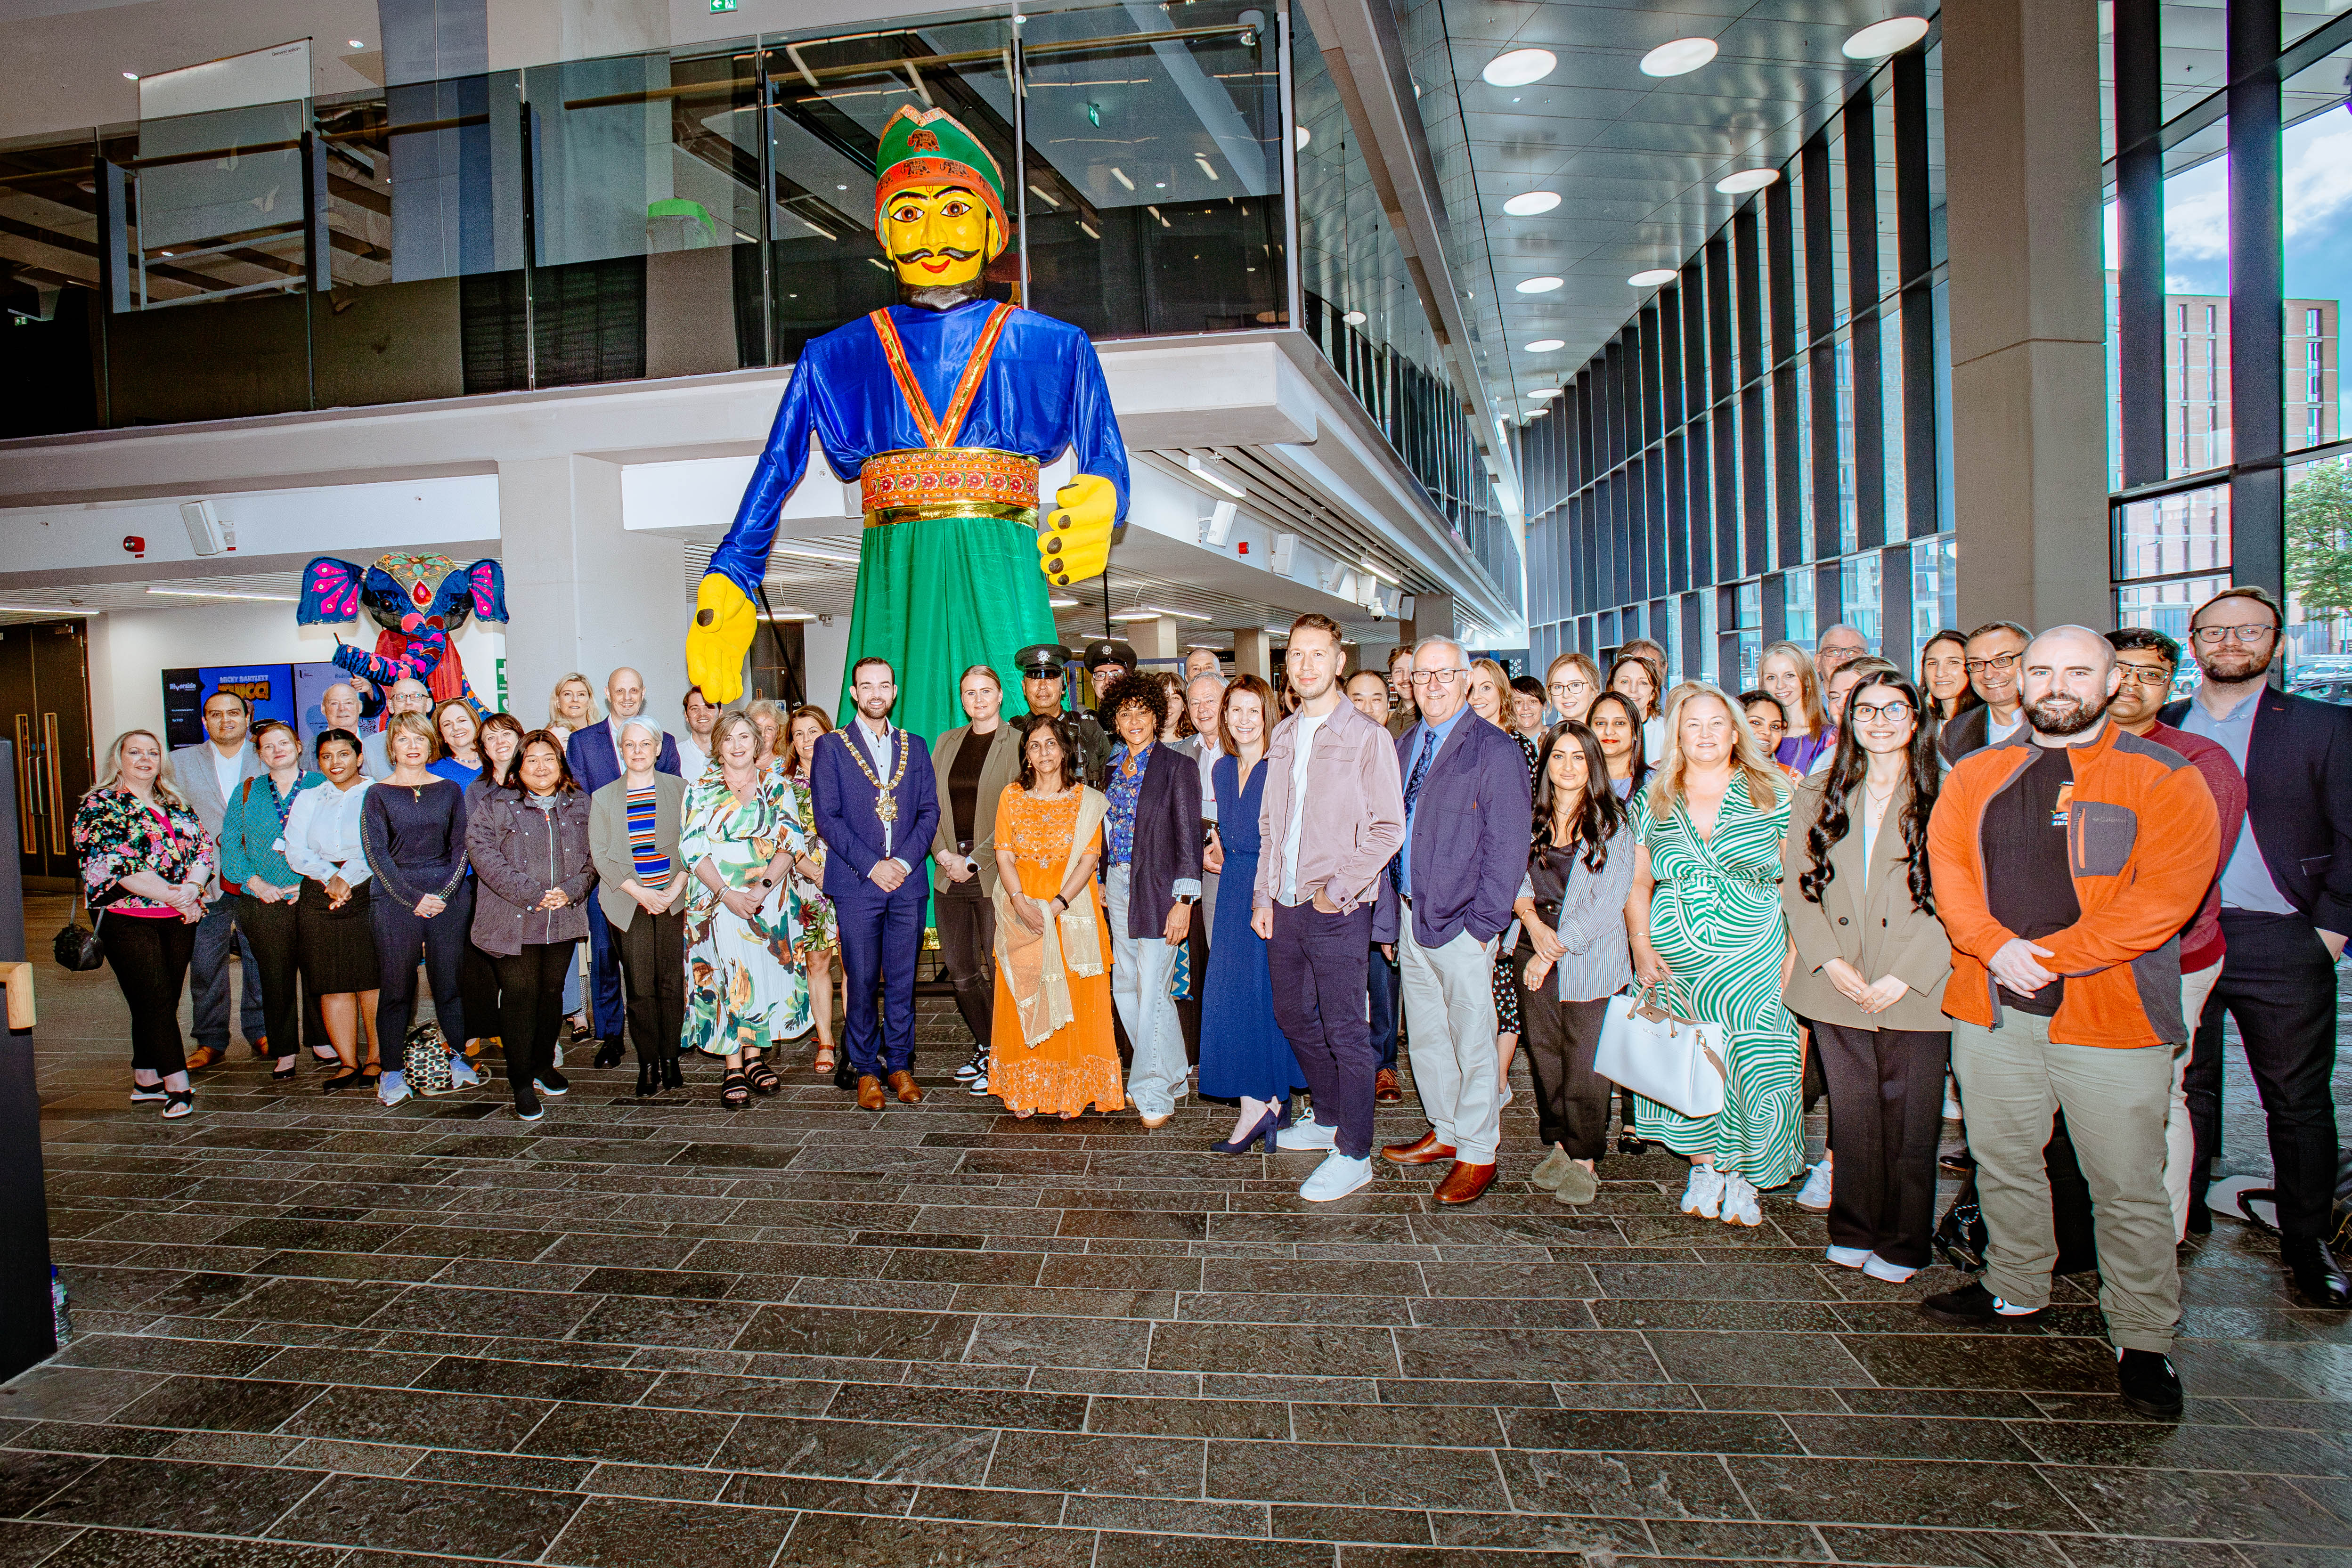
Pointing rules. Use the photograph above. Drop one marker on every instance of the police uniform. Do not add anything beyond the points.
(1045, 661)
(1100, 652)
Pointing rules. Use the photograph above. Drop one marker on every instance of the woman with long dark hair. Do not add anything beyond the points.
(1573, 953)
(499, 744)
(1615, 720)
(1871, 960)
(1944, 676)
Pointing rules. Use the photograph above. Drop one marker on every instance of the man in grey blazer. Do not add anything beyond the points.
(971, 765)
(408, 695)
(208, 773)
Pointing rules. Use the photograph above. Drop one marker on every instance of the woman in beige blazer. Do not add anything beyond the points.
(972, 763)
(1870, 963)
(641, 888)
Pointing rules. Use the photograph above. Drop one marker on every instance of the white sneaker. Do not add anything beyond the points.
(977, 1083)
(977, 1067)
(462, 1074)
(1951, 1099)
(1878, 1268)
(1739, 1206)
(1704, 1195)
(1816, 1194)
(1336, 1177)
(391, 1088)
(1310, 1134)
(1848, 1257)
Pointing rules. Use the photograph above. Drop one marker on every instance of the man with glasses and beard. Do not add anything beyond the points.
(2286, 903)
(2067, 858)
(1993, 652)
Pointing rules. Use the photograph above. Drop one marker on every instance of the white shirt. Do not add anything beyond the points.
(1209, 754)
(323, 833)
(877, 749)
(1996, 731)
(228, 770)
(1303, 743)
(692, 760)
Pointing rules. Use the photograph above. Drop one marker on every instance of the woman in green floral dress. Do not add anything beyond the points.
(744, 983)
(1705, 913)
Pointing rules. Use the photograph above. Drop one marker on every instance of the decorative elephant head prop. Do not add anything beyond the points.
(418, 600)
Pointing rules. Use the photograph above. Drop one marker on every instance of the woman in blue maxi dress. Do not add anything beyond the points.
(1242, 1053)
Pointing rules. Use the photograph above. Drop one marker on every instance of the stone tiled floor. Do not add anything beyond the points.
(311, 1332)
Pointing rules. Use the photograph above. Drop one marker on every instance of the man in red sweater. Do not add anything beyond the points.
(2149, 659)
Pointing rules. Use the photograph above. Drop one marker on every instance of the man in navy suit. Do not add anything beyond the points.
(878, 807)
(595, 756)
(1467, 812)
(2287, 907)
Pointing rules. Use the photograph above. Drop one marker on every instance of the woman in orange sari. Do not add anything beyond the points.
(1052, 1048)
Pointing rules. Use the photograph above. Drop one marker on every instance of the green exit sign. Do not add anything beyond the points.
(718, 5)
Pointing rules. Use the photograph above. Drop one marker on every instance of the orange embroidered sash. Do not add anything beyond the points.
(940, 433)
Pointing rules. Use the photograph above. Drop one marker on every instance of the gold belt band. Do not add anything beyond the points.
(959, 478)
(952, 506)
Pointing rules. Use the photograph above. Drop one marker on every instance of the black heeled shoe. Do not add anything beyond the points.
(648, 1080)
(348, 1078)
(671, 1076)
(1264, 1127)
(608, 1053)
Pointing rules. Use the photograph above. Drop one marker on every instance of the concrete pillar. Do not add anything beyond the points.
(583, 594)
(2029, 375)
(1433, 616)
(1253, 653)
(1157, 642)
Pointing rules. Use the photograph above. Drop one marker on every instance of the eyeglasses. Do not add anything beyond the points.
(1569, 688)
(2212, 636)
(1998, 662)
(2147, 675)
(1441, 677)
(1894, 712)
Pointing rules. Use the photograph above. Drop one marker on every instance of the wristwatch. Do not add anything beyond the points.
(1185, 899)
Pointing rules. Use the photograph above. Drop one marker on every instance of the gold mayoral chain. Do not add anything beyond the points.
(886, 801)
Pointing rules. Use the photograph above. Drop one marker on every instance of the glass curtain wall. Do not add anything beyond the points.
(672, 212)
(1758, 453)
(2229, 253)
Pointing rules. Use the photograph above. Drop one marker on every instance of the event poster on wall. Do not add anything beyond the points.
(287, 691)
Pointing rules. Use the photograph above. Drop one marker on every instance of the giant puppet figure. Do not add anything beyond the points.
(943, 407)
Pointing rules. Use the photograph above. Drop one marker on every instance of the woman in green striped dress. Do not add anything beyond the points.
(1706, 891)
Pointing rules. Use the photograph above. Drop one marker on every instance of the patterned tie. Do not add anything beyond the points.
(1411, 793)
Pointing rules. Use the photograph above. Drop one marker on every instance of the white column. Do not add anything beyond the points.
(1157, 640)
(1253, 654)
(583, 594)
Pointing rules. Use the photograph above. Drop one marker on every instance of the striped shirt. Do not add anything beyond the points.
(653, 865)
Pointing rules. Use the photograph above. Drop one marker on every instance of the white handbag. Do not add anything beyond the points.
(1676, 1061)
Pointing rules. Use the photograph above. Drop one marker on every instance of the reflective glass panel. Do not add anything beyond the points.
(2319, 563)
(2173, 534)
(2314, 152)
(2197, 303)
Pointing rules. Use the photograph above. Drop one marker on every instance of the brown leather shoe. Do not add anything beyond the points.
(1465, 1183)
(904, 1083)
(205, 1056)
(1425, 1151)
(869, 1093)
(1385, 1087)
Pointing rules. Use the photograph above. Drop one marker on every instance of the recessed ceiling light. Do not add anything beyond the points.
(1747, 180)
(1353, 317)
(1680, 58)
(1062, 604)
(1546, 345)
(129, 76)
(1518, 68)
(1653, 277)
(1305, 136)
(357, 44)
(1539, 285)
(1546, 395)
(1888, 37)
(1528, 204)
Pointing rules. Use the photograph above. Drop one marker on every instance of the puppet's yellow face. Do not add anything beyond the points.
(940, 235)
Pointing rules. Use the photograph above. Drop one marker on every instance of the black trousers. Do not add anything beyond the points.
(150, 956)
(1317, 961)
(653, 979)
(967, 926)
(2280, 984)
(400, 932)
(1188, 1008)
(1382, 985)
(1887, 1086)
(1560, 1039)
(477, 983)
(271, 930)
(530, 1009)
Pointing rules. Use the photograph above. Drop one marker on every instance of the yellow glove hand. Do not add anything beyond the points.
(1074, 541)
(719, 637)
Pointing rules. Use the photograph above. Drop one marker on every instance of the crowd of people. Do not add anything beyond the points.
(2025, 882)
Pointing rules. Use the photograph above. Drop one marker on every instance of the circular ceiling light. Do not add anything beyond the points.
(1305, 136)
(1680, 58)
(1539, 285)
(1516, 68)
(1546, 395)
(1353, 317)
(1546, 346)
(1530, 204)
(1891, 37)
(1653, 277)
(1747, 180)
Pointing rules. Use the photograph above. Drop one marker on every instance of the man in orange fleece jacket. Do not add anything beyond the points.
(2067, 859)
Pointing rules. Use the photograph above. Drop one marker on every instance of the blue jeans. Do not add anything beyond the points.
(216, 938)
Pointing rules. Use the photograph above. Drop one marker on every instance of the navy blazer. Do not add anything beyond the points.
(2299, 800)
(845, 820)
(1469, 831)
(1167, 848)
(596, 761)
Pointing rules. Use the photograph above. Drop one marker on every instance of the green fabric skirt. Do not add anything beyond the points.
(939, 595)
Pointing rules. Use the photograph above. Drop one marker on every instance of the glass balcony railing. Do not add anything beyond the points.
(672, 213)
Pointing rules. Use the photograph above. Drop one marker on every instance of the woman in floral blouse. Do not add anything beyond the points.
(145, 863)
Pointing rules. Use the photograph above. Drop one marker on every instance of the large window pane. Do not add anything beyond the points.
(2298, 17)
(1935, 590)
(53, 304)
(2197, 303)
(2165, 607)
(2318, 560)
(2314, 151)
(2194, 62)
(1861, 587)
(2173, 535)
